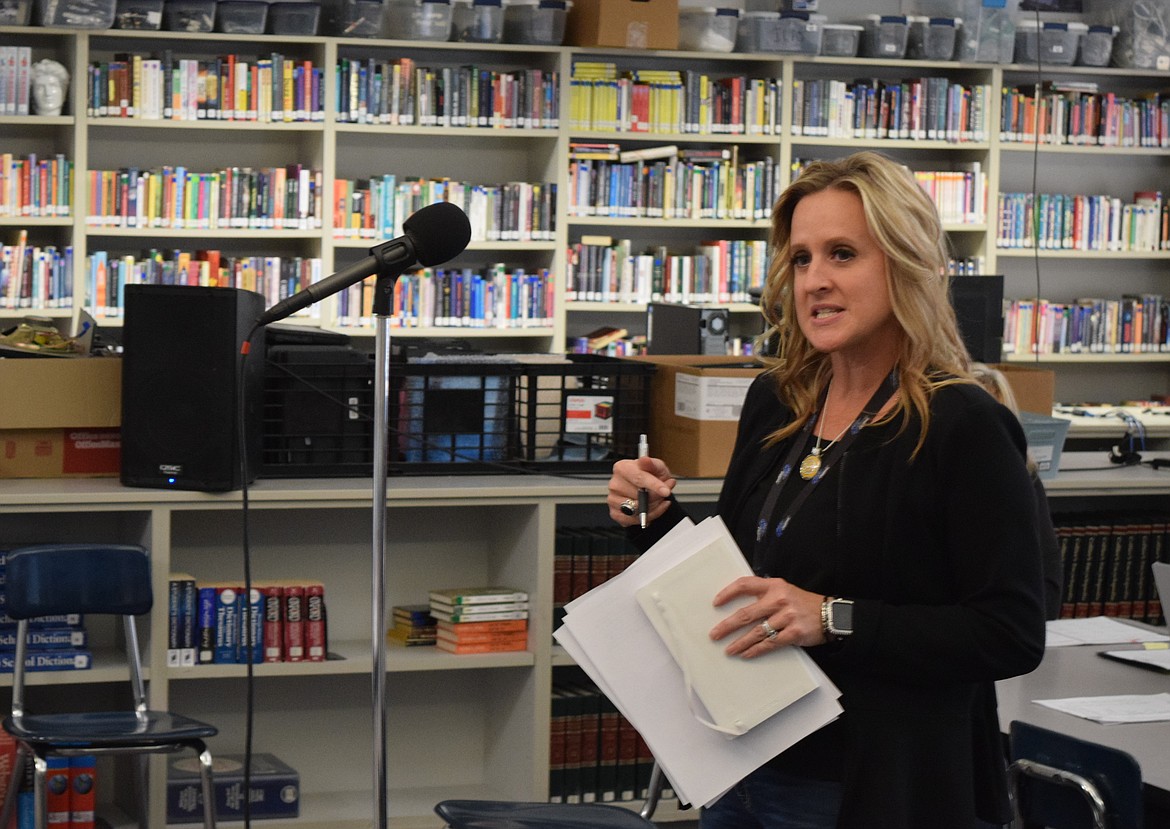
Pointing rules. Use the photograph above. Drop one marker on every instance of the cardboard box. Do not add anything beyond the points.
(694, 411)
(1034, 388)
(60, 417)
(632, 24)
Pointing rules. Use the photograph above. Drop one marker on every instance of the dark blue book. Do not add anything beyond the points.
(274, 791)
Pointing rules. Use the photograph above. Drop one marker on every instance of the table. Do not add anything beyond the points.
(1079, 671)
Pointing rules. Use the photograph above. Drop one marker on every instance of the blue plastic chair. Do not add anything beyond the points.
(1064, 782)
(54, 579)
(503, 814)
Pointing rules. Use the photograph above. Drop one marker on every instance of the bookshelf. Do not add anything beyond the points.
(459, 726)
(530, 142)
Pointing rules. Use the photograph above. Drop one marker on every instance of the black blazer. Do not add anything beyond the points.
(942, 559)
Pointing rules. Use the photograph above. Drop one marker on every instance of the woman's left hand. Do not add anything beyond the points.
(794, 615)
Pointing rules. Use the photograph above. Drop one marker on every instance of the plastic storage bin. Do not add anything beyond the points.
(886, 36)
(15, 12)
(352, 18)
(1096, 45)
(143, 15)
(933, 38)
(477, 21)
(536, 22)
(418, 20)
(801, 32)
(294, 18)
(241, 17)
(189, 15)
(707, 29)
(76, 14)
(1048, 42)
(1045, 436)
(1143, 36)
(841, 40)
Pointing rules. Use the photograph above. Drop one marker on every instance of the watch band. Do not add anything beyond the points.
(831, 625)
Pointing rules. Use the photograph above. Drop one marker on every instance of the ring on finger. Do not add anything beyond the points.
(769, 631)
(628, 507)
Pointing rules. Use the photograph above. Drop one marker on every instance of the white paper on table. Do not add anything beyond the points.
(1110, 710)
(1096, 630)
(612, 640)
(1158, 658)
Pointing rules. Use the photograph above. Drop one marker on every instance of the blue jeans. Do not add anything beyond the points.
(768, 799)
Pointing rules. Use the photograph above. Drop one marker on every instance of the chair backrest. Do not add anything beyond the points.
(1115, 774)
(52, 579)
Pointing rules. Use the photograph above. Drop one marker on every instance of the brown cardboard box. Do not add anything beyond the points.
(1034, 388)
(694, 413)
(60, 417)
(632, 24)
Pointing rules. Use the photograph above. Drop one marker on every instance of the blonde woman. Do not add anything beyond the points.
(882, 499)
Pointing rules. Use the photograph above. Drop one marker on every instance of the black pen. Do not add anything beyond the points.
(643, 493)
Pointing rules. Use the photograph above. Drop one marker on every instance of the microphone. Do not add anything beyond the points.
(431, 236)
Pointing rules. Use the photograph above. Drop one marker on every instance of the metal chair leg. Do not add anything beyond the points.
(142, 796)
(205, 777)
(40, 793)
(13, 785)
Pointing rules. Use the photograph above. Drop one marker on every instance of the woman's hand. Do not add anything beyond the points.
(794, 615)
(628, 477)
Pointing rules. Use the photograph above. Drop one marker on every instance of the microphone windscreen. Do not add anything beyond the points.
(439, 232)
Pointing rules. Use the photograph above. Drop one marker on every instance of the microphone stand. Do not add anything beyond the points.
(387, 275)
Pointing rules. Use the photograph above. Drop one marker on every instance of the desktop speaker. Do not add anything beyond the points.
(182, 378)
(686, 329)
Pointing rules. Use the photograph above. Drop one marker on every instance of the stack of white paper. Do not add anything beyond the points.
(770, 702)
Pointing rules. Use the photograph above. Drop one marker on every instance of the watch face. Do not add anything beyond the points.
(841, 617)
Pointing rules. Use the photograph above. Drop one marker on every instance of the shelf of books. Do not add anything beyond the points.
(483, 720)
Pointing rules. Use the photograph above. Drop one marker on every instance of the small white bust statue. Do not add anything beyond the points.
(50, 83)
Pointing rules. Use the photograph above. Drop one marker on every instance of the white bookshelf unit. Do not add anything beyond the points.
(341, 149)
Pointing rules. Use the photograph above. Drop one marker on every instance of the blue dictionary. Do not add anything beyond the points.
(63, 659)
(275, 788)
(45, 638)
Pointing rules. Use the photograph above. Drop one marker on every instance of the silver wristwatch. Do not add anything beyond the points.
(837, 617)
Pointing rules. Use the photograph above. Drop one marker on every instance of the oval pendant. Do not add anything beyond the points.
(810, 466)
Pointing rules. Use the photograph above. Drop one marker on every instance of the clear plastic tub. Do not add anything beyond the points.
(886, 36)
(1048, 42)
(477, 21)
(140, 15)
(707, 29)
(536, 22)
(933, 38)
(1143, 37)
(189, 15)
(801, 32)
(841, 40)
(758, 31)
(418, 20)
(1096, 47)
(294, 18)
(241, 17)
(76, 14)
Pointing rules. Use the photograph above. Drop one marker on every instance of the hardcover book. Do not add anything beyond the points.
(274, 792)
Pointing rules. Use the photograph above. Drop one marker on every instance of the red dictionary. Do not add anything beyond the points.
(294, 623)
(272, 628)
(82, 791)
(316, 644)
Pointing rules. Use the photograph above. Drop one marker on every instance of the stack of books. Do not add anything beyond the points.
(413, 625)
(480, 619)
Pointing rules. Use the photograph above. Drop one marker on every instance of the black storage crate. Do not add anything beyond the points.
(460, 415)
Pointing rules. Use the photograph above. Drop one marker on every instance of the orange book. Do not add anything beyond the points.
(459, 647)
(482, 637)
(502, 626)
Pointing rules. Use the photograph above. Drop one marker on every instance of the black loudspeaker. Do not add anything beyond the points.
(181, 385)
(978, 304)
(686, 329)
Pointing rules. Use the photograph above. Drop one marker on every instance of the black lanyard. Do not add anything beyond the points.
(835, 451)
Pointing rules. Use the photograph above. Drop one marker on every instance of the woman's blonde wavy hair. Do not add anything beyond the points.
(905, 224)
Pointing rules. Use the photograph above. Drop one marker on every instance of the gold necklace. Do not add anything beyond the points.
(811, 464)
